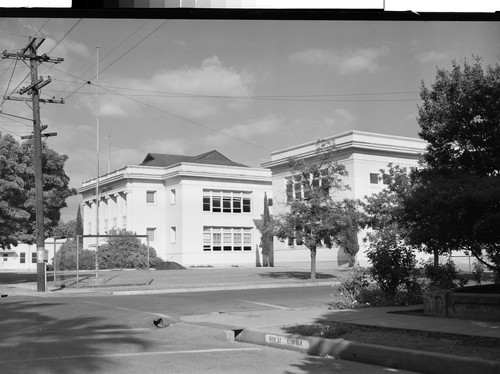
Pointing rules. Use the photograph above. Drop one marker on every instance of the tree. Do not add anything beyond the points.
(55, 189)
(349, 236)
(454, 204)
(14, 166)
(267, 235)
(393, 260)
(126, 252)
(66, 257)
(17, 187)
(313, 218)
(66, 229)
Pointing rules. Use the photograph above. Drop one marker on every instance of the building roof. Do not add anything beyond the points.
(213, 158)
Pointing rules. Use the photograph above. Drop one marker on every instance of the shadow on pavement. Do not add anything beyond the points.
(295, 275)
(34, 341)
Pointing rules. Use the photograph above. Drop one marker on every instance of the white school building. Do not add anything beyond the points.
(363, 155)
(196, 210)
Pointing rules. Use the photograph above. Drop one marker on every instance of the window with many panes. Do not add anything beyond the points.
(33, 258)
(227, 202)
(297, 188)
(150, 197)
(22, 259)
(227, 239)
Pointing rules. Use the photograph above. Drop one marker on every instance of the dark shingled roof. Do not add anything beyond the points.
(211, 158)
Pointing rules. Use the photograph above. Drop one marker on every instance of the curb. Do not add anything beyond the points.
(110, 291)
(219, 288)
(397, 358)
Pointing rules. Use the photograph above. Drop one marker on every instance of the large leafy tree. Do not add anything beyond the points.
(455, 202)
(17, 184)
(312, 217)
(392, 258)
(14, 165)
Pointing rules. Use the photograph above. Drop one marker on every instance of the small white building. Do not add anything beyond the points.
(363, 155)
(195, 210)
(22, 258)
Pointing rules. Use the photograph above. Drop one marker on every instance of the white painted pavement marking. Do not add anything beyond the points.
(265, 304)
(111, 355)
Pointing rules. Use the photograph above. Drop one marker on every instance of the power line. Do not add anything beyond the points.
(107, 54)
(191, 121)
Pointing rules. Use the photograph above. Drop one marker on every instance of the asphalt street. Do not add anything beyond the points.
(116, 334)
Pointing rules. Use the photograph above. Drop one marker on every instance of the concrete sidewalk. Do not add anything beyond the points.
(267, 327)
(126, 282)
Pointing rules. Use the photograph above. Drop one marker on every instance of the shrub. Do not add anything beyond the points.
(478, 272)
(394, 265)
(348, 294)
(444, 276)
(65, 258)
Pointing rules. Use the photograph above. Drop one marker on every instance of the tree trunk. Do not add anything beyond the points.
(436, 258)
(313, 264)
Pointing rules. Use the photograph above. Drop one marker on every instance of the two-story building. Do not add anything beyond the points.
(364, 154)
(195, 210)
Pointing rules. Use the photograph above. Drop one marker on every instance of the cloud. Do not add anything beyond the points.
(340, 120)
(431, 56)
(195, 92)
(346, 62)
(248, 131)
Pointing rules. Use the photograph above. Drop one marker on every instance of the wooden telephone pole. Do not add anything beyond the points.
(29, 53)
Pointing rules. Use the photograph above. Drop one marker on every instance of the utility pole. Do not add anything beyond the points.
(29, 53)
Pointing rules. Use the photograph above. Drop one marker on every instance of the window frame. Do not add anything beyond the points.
(150, 193)
(227, 239)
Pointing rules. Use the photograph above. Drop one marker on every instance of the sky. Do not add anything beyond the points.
(243, 87)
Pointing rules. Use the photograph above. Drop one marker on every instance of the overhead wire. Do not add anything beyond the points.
(121, 56)
(102, 58)
(191, 121)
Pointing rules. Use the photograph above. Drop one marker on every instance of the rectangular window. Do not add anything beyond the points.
(227, 239)
(5, 257)
(227, 202)
(150, 232)
(386, 179)
(22, 259)
(246, 205)
(216, 206)
(207, 239)
(374, 178)
(206, 203)
(173, 197)
(289, 191)
(297, 187)
(124, 221)
(301, 186)
(150, 197)
(33, 258)
(217, 240)
(115, 222)
(236, 204)
(173, 234)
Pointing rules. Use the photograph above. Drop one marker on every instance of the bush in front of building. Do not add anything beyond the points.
(65, 258)
(126, 252)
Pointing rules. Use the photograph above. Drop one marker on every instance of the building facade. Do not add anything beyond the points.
(196, 210)
(364, 154)
(23, 257)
